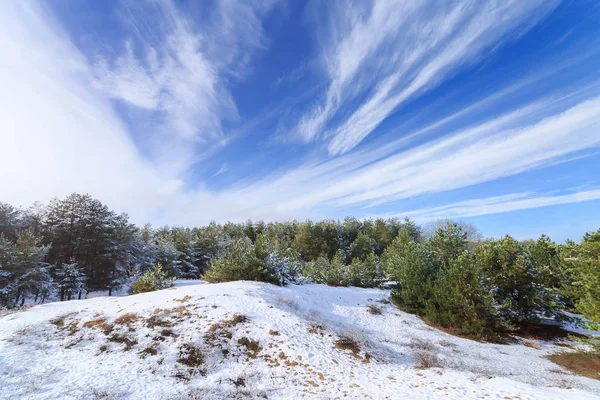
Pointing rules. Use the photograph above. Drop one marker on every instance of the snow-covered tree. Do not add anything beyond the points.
(70, 280)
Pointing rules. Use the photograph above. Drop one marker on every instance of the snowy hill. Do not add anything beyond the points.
(254, 340)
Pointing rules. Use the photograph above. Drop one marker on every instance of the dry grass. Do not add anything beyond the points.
(191, 356)
(345, 342)
(427, 359)
(148, 351)
(73, 327)
(228, 323)
(59, 321)
(100, 324)
(238, 319)
(533, 344)
(127, 319)
(157, 320)
(580, 363)
(168, 333)
(420, 344)
(374, 309)
(252, 346)
(184, 299)
(127, 342)
(239, 382)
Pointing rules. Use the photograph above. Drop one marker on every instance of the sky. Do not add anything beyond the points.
(183, 112)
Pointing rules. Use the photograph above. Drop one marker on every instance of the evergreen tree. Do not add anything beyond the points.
(362, 246)
(70, 280)
(367, 272)
(462, 298)
(587, 272)
(448, 242)
(520, 291)
(414, 268)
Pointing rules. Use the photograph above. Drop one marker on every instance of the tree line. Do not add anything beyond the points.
(444, 271)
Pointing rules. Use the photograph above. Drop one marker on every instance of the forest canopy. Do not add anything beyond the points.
(445, 271)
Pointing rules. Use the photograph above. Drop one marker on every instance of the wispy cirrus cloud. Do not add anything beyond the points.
(224, 168)
(498, 205)
(177, 70)
(503, 146)
(58, 104)
(381, 54)
(60, 129)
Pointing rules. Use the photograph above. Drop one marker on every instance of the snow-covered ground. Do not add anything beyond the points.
(191, 342)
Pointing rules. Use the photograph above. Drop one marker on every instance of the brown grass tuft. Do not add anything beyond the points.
(253, 346)
(100, 324)
(156, 320)
(533, 344)
(239, 382)
(148, 351)
(238, 319)
(580, 363)
(184, 299)
(127, 319)
(191, 356)
(59, 321)
(347, 343)
(128, 342)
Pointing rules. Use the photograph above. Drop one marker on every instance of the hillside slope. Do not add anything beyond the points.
(254, 340)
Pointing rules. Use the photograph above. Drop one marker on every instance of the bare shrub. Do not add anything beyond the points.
(238, 319)
(347, 342)
(374, 309)
(427, 359)
(252, 346)
(420, 344)
(239, 382)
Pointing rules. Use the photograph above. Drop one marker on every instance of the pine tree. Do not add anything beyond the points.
(462, 298)
(70, 280)
(587, 272)
(414, 267)
(367, 272)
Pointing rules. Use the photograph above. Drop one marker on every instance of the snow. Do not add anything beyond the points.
(41, 359)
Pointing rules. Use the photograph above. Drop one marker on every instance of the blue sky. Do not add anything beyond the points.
(182, 112)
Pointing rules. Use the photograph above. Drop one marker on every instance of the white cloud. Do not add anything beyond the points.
(224, 168)
(181, 78)
(497, 148)
(59, 134)
(379, 58)
(498, 205)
